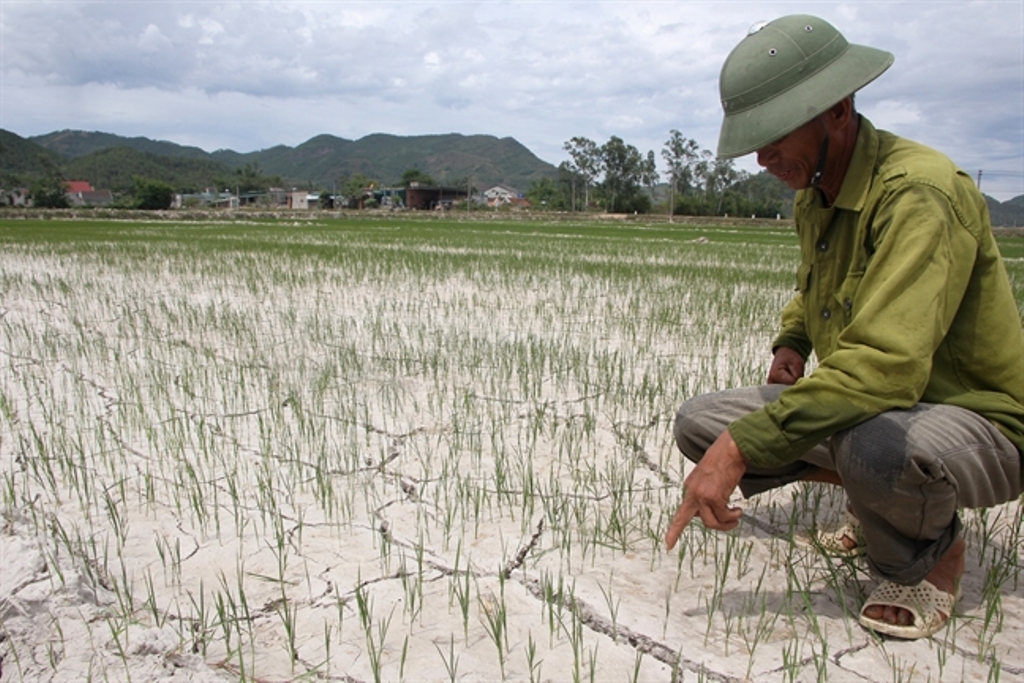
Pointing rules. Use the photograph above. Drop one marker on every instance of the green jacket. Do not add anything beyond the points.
(902, 295)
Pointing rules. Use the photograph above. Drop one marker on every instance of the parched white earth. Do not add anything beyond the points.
(280, 467)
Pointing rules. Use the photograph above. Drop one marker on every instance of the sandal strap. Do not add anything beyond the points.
(832, 541)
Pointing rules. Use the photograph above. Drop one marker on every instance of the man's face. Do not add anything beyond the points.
(793, 159)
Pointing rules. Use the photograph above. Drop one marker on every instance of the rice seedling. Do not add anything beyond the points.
(450, 660)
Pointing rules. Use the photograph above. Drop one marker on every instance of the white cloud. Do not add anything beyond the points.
(624, 122)
(211, 29)
(896, 114)
(475, 81)
(153, 40)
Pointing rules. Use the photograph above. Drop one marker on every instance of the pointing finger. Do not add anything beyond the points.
(684, 514)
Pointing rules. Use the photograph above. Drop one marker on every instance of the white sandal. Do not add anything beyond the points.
(930, 607)
(831, 542)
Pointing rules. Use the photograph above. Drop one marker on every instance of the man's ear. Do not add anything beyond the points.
(840, 113)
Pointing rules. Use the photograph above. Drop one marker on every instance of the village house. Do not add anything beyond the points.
(18, 196)
(210, 198)
(425, 197)
(298, 199)
(501, 195)
(303, 200)
(81, 193)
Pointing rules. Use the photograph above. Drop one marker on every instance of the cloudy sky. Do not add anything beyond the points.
(247, 75)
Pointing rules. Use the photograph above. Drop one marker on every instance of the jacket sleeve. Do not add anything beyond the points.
(902, 305)
(793, 333)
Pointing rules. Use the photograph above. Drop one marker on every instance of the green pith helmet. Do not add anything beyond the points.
(784, 74)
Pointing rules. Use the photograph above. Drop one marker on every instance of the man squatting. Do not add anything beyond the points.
(916, 405)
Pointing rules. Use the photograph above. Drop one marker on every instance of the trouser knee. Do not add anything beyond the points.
(702, 419)
(869, 461)
(693, 429)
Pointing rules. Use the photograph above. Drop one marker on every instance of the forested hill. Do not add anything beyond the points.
(1008, 214)
(319, 163)
(22, 158)
(72, 144)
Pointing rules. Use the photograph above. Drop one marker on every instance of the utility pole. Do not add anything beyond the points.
(979, 178)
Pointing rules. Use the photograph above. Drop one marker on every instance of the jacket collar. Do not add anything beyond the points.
(857, 183)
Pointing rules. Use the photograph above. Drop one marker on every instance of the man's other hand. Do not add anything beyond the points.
(787, 367)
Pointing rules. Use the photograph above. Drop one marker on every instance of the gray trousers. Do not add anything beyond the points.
(905, 472)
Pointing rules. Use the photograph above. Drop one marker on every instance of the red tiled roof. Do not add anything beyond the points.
(78, 186)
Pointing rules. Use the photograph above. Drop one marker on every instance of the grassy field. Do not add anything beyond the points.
(417, 449)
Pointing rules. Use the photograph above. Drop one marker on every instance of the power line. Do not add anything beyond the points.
(1000, 174)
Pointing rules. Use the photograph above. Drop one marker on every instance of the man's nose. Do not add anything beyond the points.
(766, 155)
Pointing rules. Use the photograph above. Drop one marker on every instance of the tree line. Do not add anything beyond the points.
(616, 177)
(138, 186)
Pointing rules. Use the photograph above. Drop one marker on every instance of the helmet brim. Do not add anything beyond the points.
(751, 129)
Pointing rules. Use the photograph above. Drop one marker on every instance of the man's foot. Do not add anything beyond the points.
(917, 611)
(846, 541)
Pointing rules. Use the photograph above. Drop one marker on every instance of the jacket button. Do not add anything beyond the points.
(825, 314)
(848, 303)
(823, 246)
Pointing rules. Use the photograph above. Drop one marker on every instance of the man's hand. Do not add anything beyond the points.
(706, 491)
(787, 367)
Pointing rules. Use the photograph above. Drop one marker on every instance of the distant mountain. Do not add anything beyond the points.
(116, 168)
(482, 159)
(325, 160)
(1008, 214)
(72, 144)
(20, 157)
